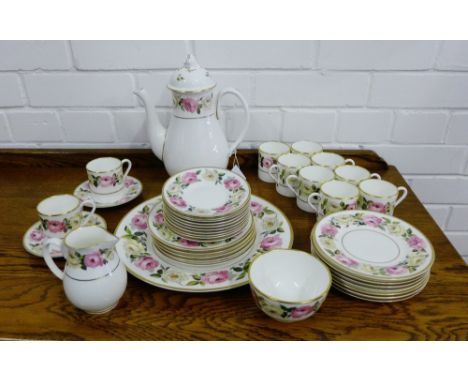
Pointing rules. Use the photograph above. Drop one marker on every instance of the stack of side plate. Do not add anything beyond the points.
(206, 204)
(373, 256)
(192, 252)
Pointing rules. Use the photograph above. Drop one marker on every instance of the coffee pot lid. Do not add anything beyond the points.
(191, 78)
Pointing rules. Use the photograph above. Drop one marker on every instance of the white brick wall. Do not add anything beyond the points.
(407, 100)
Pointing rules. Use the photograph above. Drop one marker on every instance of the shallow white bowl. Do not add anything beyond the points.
(289, 285)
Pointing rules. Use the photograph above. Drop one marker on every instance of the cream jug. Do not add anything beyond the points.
(195, 136)
(94, 278)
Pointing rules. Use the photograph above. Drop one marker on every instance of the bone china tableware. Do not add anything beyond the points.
(354, 174)
(380, 195)
(308, 180)
(94, 278)
(330, 160)
(334, 196)
(306, 148)
(195, 136)
(145, 262)
(34, 237)
(288, 164)
(373, 256)
(268, 154)
(60, 214)
(106, 174)
(289, 285)
(131, 190)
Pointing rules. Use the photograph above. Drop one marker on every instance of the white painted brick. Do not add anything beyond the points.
(458, 219)
(130, 125)
(424, 159)
(31, 55)
(83, 89)
(111, 55)
(460, 241)
(453, 55)
(264, 125)
(439, 214)
(419, 90)
(156, 86)
(256, 54)
(316, 126)
(239, 81)
(458, 129)
(311, 89)
(85, 126)
(364, 126)
(10, 93)
(419, 127)
(377, 55)
(35, 126)
(4, 134)
(441, 190)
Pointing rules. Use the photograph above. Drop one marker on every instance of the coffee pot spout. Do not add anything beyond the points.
(156, 131)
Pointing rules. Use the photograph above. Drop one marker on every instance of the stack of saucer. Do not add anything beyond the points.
(194, 252)
(206, 204)
(203, 217)
(373, 256)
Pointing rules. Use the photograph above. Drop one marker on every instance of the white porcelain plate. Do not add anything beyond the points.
(34, 237)
(373, 245)
(132, 189)
(206, 192)
(143, 261)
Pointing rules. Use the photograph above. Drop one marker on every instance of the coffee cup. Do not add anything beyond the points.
(288, 164)
(354, 174)
(330, 160)
(268, 154)
(380, 195)
(106, 175)
(334, 196)
(306, 148)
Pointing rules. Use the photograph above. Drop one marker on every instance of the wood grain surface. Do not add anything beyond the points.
(33, 305)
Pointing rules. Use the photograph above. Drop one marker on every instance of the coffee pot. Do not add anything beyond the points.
(195, 137)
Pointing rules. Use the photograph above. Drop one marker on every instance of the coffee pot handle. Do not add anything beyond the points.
(234, 92)
(58, 244)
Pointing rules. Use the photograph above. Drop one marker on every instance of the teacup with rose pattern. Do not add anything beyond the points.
(106, 175)
(380, 195)
(289, 285)
(268, 154)
(60, 214)
(331, 160)
(288, 164)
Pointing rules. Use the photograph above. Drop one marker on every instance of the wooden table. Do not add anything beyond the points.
(33, 305)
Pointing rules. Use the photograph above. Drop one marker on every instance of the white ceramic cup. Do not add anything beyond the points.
(306, 148)
(106, 175)
(309, 180)
(354, 174)
(331, 160)
(288, 164)
(61, 214)
(334, 196)
(268, 154)
(380, 195)
(289, 285)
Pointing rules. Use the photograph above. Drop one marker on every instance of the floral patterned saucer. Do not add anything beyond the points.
(143, 262)
(372, 246)
(206, 193)
(34, 237)
(132, 189)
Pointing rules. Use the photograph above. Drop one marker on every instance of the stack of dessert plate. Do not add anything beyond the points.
(373, 256)
(203, 218)
(206, 204)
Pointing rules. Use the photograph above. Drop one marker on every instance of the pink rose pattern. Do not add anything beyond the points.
(255, 207)
(302, 311)
(159, 219)
(224, 208)
(329, 230)
(36, 235)
(267, 163)
(346, 260)
(215, 277)
(416, 242)
(372, 220)
(286, 312)
(178, 201)
(376, 206)
(271, 242)
(139, 221)
(106, 181)
(56, 226)
(189, 104)
(189, 243)
(93, 260)
(189, 177)
(147, 263)
(129, 182)
(232, 184)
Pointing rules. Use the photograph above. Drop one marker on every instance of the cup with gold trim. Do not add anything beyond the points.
(288, 164)
(268, 154)
(309, 180)
(380, 195)
(334, 196)
(60, 214)
(353, 174)
(306, 148)
(330, 160)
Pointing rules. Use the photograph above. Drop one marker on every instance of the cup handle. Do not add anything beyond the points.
(374, 175)
(129, 164)
(404, 193)
(88, 203)
(290, 179)
(270, 171)
(57, 243)
(314, 195)
(350, 161)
